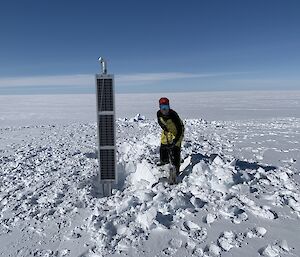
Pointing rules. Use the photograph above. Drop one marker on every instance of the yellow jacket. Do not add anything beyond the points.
(173, 128)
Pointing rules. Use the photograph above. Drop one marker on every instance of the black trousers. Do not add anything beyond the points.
(164, 155)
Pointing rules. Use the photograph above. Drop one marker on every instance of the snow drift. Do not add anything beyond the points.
(238, 193)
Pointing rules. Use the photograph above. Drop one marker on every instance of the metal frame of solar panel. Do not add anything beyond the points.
(106, 128)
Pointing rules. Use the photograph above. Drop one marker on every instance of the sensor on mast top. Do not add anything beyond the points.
(103, 64)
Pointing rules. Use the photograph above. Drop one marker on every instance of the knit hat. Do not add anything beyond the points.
(164, 101)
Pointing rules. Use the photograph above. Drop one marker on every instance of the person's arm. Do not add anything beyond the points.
(163, 126)
(175, 118)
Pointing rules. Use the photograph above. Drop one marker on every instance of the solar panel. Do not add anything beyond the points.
(105, 94)
(107, 160)
(106, 127)
(106, 130)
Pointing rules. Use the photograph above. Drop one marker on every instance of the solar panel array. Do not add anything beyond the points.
(106, 127)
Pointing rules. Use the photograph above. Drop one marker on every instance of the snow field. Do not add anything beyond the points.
(232, 199)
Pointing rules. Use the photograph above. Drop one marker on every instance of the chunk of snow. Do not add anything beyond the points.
(146, 219)
(214, 249)
(143, 173)
(189, 225)
(180, 201)
(218, 161)
(261, 231)
(270, 251)
(284, 245)
(175, 243)
(210, 218)
(227, 240)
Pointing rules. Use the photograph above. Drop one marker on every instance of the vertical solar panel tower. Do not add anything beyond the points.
(106, 128)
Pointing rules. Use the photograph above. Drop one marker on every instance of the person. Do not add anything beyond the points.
(172, 134)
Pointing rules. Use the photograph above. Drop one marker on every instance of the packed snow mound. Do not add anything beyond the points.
(223, 204)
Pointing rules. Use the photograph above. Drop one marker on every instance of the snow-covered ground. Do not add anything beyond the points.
(238, 193)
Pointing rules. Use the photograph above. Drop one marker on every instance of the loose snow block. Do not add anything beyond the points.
(146, 219)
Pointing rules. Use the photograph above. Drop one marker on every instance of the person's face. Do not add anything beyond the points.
(164, 109)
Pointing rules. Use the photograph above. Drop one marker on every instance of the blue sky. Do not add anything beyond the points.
(151, 46)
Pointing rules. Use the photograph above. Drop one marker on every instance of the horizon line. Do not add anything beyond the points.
(121, 79)
(159, 92)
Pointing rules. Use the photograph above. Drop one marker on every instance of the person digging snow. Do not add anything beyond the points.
(172, 134)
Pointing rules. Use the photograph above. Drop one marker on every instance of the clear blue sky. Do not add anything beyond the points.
(150, 45)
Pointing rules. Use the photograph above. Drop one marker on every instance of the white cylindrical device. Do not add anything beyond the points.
(103, 64)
